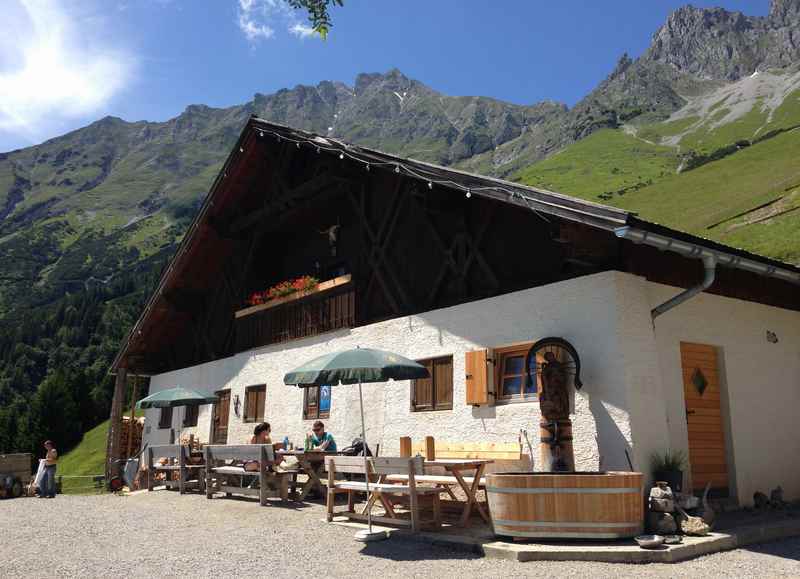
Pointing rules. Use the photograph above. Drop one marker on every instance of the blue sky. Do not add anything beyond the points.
(65, 63)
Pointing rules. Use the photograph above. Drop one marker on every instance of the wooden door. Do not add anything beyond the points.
(219, 424)
(701, 393)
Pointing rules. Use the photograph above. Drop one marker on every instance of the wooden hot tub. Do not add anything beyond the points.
(572, 505)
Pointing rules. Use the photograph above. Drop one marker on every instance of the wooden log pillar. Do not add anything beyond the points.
(555, 449)
(134, 395)
(405, 446)
(115, 424)
(430, 448)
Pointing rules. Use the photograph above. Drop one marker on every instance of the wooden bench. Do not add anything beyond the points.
(379, 468)
(271, 484)
(189, 475)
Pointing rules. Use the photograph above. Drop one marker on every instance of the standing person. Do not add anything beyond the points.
(48, 489)
(321, 440)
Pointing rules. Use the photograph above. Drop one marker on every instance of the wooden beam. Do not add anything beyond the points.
(288, 196)
(134, 394)
(115, 424)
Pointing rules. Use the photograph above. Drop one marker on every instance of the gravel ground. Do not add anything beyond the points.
(162, 534)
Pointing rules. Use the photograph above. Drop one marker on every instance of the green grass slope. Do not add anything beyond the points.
(86, 459)
(602, 165)
(705, 201)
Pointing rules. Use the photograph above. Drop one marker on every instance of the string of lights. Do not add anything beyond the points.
(323, 144)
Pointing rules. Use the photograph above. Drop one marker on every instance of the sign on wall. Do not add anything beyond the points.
(325, 398)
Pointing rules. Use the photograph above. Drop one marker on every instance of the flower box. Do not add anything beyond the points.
(321, 287)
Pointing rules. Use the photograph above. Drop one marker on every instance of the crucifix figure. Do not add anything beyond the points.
(333, 235)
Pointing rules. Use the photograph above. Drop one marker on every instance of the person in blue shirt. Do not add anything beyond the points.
(321, 440)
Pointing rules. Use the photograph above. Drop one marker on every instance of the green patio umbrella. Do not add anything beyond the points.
(356, 367)
(178, 396)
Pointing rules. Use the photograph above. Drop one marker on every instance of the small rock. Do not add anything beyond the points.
(661, 498)
(691, 525)
(760, 500)
(662, 505)
(776, 498)
(661, 523)
(694, 526)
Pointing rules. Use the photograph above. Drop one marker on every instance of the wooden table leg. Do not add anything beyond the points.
(471, 492)
(313, 481)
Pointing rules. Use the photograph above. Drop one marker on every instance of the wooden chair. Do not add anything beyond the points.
(271, 484)
(189, 475)
(379, 490)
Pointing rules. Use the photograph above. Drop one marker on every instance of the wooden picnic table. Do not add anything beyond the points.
(456, 467)
(312, 464)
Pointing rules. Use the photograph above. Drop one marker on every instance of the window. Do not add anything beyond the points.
(511, 376)
(165, 419)
(316, 402)
(436, 392)
(254, 403)
(190, 415)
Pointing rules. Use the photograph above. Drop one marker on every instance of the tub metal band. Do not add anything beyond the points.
(566, 535)
(563, 491)
(551, 524)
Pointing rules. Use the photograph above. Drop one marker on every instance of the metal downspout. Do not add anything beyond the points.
(710, 267)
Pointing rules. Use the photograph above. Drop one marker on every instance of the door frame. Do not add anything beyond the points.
(725, 418)
(214, 407)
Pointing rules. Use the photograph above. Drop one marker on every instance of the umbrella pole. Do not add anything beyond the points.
(369, 535)
(364, 452)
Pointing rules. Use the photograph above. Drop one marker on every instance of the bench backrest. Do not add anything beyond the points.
(483, 450)
(215, 452)
(165, 451)
(378, 465)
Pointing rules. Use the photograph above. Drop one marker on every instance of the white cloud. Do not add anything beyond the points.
(252, 20)
(301, 30)
(258, 19)
(53, 67)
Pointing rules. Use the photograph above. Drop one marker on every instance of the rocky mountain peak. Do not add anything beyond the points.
(784, 12)
(391, 80)
(717, 44)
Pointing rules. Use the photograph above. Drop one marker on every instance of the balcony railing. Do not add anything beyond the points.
(318, 312)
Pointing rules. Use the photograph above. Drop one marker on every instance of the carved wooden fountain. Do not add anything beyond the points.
(561, 503)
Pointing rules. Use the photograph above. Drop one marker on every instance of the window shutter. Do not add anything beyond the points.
(423, 389)
(443, 382)
(248, 404)
(477, 370)
(165, 418)
(261, 395)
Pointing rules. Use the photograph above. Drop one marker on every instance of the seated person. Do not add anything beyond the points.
(321, 440)
(261, 434)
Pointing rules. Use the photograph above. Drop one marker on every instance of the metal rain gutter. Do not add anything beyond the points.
(710, 268)
(711, 259)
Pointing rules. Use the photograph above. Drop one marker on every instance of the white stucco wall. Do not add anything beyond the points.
(632, 398)
(760, 384)
(584, 311)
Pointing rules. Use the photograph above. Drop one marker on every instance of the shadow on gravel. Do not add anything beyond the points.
(784, 548)
(271, 503)
(412, 550)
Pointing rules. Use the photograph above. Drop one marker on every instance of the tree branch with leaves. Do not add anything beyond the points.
(318, 13)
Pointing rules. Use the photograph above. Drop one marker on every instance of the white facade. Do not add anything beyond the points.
(632, 399)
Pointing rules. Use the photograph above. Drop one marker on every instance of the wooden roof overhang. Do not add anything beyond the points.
(227, 210)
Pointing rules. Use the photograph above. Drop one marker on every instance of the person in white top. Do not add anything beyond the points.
(48, 489)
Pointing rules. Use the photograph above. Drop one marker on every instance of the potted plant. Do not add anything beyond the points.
(668, 467)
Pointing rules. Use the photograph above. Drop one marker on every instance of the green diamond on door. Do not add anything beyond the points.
(699, 381)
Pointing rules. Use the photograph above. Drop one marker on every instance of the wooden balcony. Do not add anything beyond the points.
(332, 306)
